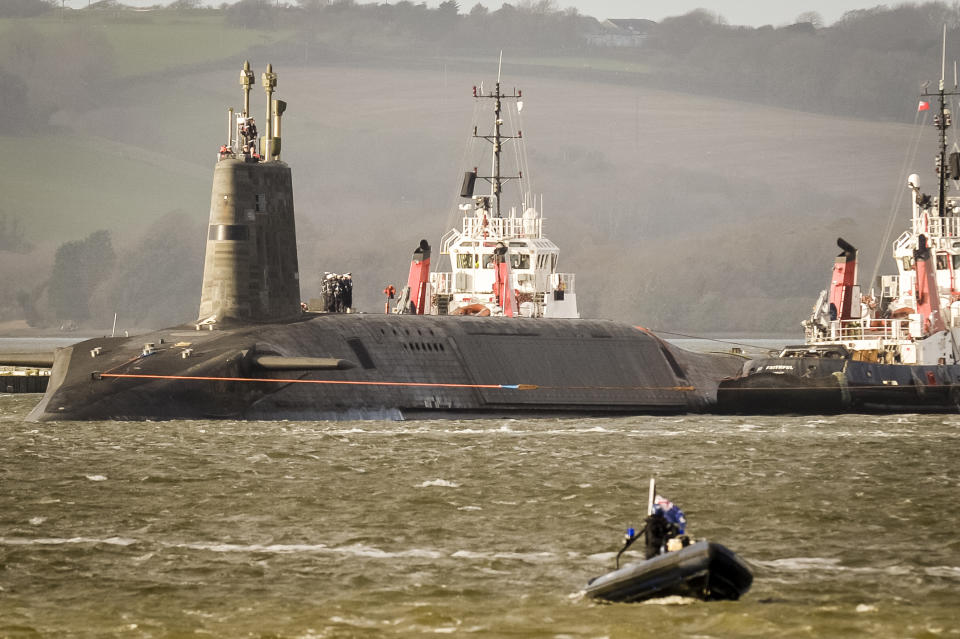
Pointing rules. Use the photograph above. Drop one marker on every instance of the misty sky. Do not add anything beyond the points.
(745, 12)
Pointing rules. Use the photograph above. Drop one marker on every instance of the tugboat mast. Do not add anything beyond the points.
(496, 180)
(942, 121)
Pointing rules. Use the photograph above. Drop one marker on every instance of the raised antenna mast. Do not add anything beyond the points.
(496, 180)
(246, 81)
(942, 120)
(943, 58)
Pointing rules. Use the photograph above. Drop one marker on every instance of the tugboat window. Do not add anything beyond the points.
(956, 261)
(519, 261)
(908, 263)
(942, 261)
(464, 260)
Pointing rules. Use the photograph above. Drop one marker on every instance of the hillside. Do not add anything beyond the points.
(676, 211)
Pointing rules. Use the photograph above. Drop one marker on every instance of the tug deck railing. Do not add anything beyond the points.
(865, 328)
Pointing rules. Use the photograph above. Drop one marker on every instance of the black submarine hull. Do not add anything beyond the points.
(815, 385)
(704, 570)
(357, 366)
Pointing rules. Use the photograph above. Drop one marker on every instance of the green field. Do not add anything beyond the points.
(151, 42)
(64, 187)
(674, 210)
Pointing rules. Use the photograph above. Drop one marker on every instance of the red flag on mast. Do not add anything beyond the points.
(923, 106)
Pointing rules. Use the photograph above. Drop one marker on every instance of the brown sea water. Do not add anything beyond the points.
(485, 528)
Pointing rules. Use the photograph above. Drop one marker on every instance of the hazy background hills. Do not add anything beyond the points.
(695, 183)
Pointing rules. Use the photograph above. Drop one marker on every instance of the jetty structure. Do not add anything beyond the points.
(254, 352)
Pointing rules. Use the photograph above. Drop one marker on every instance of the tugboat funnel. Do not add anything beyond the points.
(846, 247)
(414, 296)
(928, 294)
(843, 288)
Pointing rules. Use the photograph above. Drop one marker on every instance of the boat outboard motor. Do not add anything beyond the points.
(657, 530)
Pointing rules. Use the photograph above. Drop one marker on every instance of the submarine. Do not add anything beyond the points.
(256, 352)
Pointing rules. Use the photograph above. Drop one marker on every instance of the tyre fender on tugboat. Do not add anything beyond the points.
(472, 309)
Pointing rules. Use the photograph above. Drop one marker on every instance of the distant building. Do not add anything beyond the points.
(621, 32)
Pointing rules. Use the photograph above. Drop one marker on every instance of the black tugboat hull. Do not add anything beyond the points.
(346, 366)
(703, 570)
(816, 386)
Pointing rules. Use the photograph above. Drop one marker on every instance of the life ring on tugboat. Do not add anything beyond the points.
(472, 309)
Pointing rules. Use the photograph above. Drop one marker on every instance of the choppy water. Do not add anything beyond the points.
(476, 528)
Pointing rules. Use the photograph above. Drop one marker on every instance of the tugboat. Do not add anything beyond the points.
(501, 263)
(895, 351)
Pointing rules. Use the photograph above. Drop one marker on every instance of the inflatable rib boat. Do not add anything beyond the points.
(703, 570)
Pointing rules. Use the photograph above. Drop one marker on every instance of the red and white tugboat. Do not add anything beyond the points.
(501, 263)
(895, 351)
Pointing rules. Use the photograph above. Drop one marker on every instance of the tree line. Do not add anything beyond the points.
(868, 64)
(527, 25)
(153, 282)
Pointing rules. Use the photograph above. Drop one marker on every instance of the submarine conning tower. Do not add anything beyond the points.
(250, 272)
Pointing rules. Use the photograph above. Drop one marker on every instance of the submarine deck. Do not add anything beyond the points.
(355, 366)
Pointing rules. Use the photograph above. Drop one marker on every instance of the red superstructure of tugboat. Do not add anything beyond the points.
(501, 263)
(895, 350)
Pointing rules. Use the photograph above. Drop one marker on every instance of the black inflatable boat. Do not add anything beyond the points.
(704, 570)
